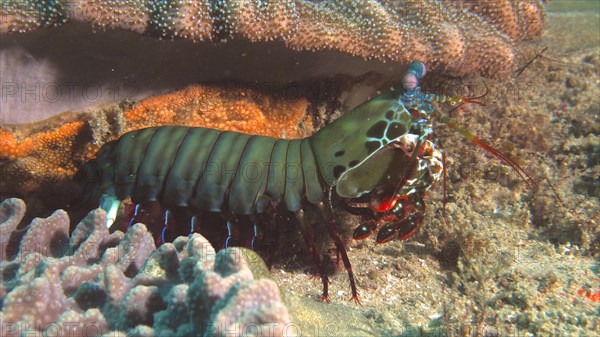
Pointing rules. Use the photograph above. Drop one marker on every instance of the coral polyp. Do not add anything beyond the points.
(460, 37)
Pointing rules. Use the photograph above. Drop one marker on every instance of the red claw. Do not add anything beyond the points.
(384, 205)
(384, 199)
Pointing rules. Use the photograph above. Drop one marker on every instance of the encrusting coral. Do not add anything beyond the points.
(242, 110)
(461, 37)
(93, 283)
(45, 155)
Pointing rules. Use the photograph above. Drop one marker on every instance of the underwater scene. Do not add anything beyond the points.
(299, 168)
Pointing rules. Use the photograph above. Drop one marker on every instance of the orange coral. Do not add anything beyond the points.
(9, 145)
(12, 148)
(241, 110)
(48, 153)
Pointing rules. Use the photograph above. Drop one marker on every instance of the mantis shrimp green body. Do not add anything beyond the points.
(376, 161)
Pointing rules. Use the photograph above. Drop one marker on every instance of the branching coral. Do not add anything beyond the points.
(461, 37)
(120, 282)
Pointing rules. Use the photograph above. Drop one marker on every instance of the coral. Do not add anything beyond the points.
(11, 213)
(19, 16)
(14, 148)
(119, 283)
(41, 155)
(242, 304)
(44, 156)
(461, 37)
(241, 110)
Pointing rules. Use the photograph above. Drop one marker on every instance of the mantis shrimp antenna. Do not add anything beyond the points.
(410, 82)
(485, 146)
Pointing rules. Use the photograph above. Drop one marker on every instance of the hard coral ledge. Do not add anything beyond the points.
(462, 37)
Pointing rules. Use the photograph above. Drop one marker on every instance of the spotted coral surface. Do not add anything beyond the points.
(462, 37)
(241, 110)
(61, 284)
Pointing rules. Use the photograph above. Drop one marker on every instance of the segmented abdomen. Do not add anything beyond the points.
(209, 170)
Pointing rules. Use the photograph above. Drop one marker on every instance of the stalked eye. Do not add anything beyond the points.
(387, 232)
